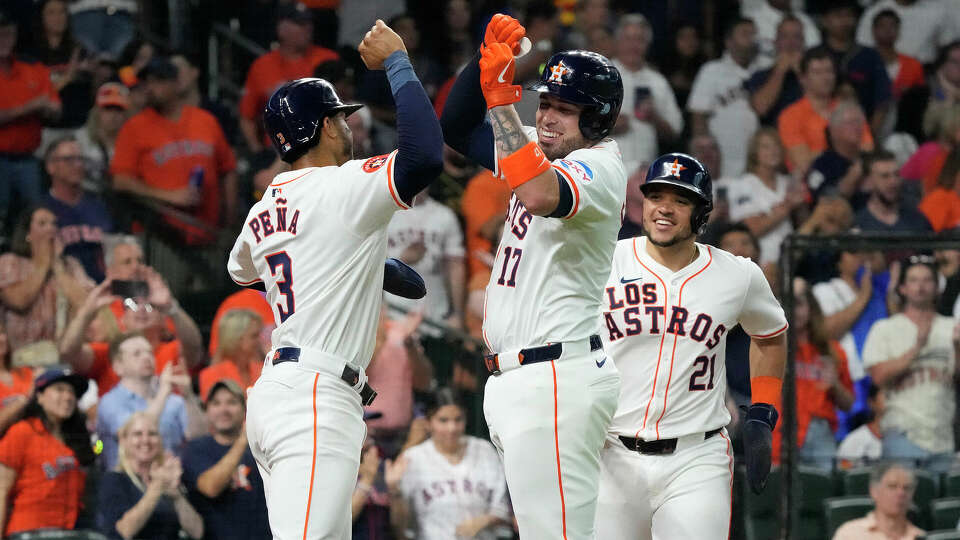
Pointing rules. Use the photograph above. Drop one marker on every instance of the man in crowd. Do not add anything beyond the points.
(220, 472)
(773, 89)
(82, 217)
(891, 488)
(885, 210)
(838, 168)
(178, 415)
(911, 356)
(718, 101)
(768, 16)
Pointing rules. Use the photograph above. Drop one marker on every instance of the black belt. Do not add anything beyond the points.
(349, 375)
(660, 446)
(536, 354)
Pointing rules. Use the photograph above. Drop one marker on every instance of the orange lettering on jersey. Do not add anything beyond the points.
(375, 163)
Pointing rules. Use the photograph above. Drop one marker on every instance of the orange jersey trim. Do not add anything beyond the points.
(313, 466)
(576, 193)
(730, 458)
(663, 336)
(391, 187)
(292, 179)
(556, 442)
(772, 334)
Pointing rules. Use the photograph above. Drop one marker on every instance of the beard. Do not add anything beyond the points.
(679, 237)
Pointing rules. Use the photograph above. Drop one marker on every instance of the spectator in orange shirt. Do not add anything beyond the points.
(823, 383)
(483, 207)
(240, 352)
(16, 385)
(43, 456)
(248, 299)
(942, 204)
(295, 57)
(28, 100)
(803, 124)
(178, 155)
(144, 315)
(905, 71)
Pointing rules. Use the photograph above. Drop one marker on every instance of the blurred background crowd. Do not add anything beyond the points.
(131, 149)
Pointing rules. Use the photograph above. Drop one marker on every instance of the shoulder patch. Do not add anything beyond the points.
(577, 169)
(374, 163)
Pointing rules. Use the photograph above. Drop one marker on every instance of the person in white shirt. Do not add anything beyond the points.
(843, 300)
(926, 26)
(428, 238)
(767, 16)
(649, 112)
(720, 104)
(764, 198)
(865, 443)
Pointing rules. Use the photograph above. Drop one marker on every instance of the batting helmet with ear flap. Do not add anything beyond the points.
(687, 173)
(589, 79)
(293, 116)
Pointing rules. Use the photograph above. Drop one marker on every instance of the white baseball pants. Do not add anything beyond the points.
(305, 427)
(548, 420)
(682, 496)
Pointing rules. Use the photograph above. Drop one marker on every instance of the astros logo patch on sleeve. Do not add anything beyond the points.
(374, 163)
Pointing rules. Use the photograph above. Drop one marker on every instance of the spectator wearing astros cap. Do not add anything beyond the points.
(42, 457)
(220, 473)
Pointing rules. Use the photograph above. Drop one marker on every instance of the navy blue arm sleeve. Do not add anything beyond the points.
(420, 148)
(464, 118)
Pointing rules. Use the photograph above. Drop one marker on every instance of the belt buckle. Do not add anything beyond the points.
(493, 363)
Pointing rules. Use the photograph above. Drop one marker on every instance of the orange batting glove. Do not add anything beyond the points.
(497, 66)
(504, 29)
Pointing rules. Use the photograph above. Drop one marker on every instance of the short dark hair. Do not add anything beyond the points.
(740, 227)
(18, 239)
(875, 157)
(54, 144)
(842, 5)
(733, 24)
(880, 470)
(816, 53)
(116, 342)
(886, 13)
(916, 260)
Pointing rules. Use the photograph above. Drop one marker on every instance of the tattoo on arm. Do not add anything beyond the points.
(507, 130)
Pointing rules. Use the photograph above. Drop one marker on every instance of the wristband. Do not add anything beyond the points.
(523, 165)
(765, 389)
(503, 95)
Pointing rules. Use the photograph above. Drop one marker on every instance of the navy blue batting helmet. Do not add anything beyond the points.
(589, 79)
(687, 173)
(293, 116)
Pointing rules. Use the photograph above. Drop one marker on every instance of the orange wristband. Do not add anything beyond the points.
(765, 389)
(523, 165)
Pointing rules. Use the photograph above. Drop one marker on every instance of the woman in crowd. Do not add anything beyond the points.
(144, 498)
(37, 283)
(764, 198)
(450, 486)
(823, 383)
(941, 204)
(16, 385)
(98, 136)
(43, 456)
(239, 354)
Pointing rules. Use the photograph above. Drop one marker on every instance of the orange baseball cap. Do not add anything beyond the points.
(113, 94)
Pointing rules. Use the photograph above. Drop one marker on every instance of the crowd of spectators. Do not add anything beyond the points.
(122, 183)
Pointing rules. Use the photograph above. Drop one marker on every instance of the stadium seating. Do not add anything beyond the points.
(839, 510)
(945, 513)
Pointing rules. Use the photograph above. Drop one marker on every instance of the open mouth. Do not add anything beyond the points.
(548, 136)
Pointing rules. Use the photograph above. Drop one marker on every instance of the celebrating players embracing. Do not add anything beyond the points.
(549, 418)
(317, 241)
(667, 467)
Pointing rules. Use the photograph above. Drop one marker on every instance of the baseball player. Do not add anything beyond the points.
(667, 466)
(549, 418)
(317, 241)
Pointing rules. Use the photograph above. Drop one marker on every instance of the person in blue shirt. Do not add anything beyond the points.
(220, 473)
(82, 217)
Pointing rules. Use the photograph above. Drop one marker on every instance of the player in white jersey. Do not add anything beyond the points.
(450, 486)
(667, 465)
(316, 242)
(549, 418)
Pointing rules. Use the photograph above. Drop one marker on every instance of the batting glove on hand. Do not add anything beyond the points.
(497, 66)
(504, 29)
(761, 418)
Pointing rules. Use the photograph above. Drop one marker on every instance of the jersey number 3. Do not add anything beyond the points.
(285, 283)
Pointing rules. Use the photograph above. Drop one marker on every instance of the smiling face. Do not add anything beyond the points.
(225, 411)
(667, 211)
(558, 127)
(141, 441)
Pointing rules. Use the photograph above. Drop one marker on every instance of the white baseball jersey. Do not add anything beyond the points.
(666, 331)
(443, 495)
(547, 278)
(317, 240)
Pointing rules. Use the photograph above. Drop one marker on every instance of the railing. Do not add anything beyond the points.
(221, 62)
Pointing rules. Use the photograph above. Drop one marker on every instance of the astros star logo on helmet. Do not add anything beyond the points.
(558, 71)
(673, 169)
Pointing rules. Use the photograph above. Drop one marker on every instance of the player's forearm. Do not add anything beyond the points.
(769, 357)
(541, 194)
(419, 137)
